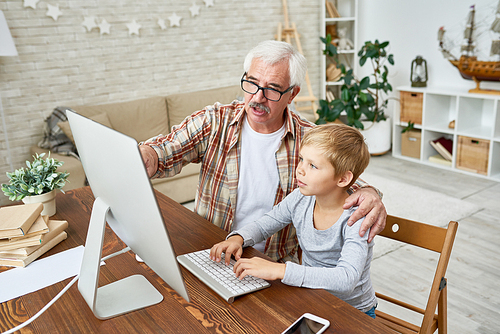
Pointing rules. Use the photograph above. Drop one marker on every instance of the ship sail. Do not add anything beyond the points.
(469, 48)
(495, 27)
(447, 54)
(441, 32)
(495, 48)
(468, 33)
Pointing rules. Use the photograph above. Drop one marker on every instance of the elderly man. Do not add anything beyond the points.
(249, 151)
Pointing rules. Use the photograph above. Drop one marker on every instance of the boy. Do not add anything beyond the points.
(335, 257)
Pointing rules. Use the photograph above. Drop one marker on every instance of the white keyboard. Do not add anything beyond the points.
(220, 277)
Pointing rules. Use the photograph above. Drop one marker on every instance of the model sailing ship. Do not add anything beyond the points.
(469, 66)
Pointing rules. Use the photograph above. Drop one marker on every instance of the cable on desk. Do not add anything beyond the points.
(39, 313)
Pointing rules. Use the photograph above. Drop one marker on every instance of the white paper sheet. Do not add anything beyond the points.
(40, 274)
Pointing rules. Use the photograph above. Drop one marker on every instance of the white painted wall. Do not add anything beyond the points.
(411, 27)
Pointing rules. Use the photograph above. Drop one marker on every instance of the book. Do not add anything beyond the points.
(329, 96)
(439, 160)
(34, 240)
(444, 147)
(55, 228)
(38, 227)
(331, 9)
(23, 261)
(16, 220)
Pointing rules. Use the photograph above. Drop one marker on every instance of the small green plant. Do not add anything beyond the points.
(39, 177)
(359, 97)
(409, 127)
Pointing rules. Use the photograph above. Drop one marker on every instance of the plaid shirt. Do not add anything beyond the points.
(211, 137)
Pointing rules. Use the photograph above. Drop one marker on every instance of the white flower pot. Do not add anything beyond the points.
(378, 136)
(48, 200)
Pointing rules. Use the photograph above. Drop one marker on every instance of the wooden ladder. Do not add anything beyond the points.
(287, 33)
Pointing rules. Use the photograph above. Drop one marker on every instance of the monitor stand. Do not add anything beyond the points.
(123, 296)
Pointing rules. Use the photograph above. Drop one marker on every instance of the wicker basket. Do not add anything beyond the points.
(411, 107)
(410, 143)
(473, 154)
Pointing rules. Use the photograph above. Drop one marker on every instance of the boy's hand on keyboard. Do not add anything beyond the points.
(259, 267)
(231, 246)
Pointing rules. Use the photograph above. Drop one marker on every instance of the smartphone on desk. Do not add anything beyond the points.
(308, 324)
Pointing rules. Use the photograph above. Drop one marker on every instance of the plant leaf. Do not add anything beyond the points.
(365, 82)
(383, 45)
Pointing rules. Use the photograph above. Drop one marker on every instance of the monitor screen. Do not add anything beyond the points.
(117, 176)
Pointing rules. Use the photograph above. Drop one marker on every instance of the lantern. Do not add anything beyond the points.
(418, 72)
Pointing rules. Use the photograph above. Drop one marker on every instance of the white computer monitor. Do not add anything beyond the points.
(124, 198)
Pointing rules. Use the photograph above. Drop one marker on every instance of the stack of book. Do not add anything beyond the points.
(444, 147)
(25, 234)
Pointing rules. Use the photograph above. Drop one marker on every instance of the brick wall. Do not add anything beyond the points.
(60, 63)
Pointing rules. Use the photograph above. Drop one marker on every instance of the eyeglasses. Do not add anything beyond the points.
(269, 93)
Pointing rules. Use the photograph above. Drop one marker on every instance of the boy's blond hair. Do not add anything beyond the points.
(344, 147)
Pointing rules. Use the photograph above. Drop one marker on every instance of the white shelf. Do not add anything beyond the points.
(339, 19)
(348, 10)
(475, 115)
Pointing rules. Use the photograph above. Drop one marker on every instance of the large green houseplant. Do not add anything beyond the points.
(37, 182)
(364, 99)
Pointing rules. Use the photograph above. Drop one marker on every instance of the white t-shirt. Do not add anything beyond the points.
(258, 176)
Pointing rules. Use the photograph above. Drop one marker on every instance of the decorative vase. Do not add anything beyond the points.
(48, 200)
(378, 136)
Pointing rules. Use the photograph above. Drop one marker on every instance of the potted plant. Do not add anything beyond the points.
(37, 183)
(363, 101)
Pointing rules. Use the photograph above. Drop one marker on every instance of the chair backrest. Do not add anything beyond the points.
(434, 238)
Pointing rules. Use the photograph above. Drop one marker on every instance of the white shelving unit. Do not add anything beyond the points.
(476, 116)
(348, 10)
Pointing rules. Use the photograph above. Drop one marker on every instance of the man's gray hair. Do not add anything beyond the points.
(272, 52)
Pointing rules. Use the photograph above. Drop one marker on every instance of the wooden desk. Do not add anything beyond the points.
(267, 311)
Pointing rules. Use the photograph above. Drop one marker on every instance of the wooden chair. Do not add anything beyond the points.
(433, 238)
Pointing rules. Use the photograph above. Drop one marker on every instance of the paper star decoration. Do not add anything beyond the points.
(209, 3)
(104, 27)
(133, 28)
(53, 11)
(161, 23)
(31, 3)
(194, 9)
(175, 21)
(89, 23)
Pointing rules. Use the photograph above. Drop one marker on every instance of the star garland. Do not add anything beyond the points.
(89, 22)
(53, 11)
(31, 3)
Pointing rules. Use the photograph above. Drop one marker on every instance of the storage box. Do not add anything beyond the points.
(410, 143)
(472, 154)
(411, 107)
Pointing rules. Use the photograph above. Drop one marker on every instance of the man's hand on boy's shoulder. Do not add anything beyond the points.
(371, 207)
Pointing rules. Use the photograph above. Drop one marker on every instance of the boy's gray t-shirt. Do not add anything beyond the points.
(336, 259)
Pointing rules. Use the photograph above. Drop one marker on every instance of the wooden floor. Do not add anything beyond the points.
(474, 270)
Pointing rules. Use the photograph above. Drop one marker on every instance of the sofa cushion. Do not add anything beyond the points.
(100, 118)
(139, 119)
(184, 104)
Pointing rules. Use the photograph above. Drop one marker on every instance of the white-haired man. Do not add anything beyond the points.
(249, 151)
